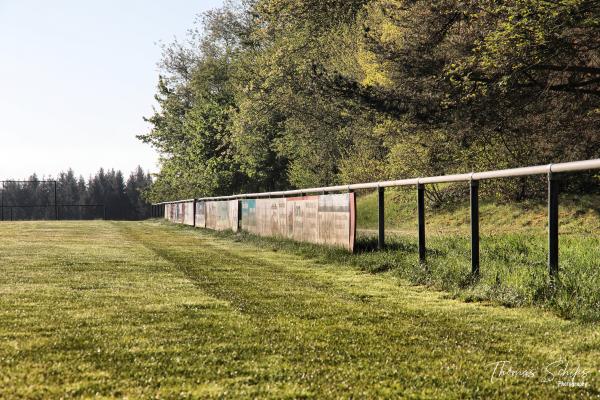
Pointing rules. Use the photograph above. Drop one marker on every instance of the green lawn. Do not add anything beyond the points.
(140, 310)
(514, 251)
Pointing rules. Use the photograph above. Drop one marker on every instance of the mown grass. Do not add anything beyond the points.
(514, 250)
(152, 310)
(513, 271)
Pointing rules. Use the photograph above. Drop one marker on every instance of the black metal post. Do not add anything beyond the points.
(381, 223)
(475, 228)
(421, 212)
(194, 208)
(239, 215)
(553, 189)
(55, 203)
(2, 201)
(104, 212)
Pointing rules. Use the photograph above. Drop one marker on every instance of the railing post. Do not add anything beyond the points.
(239, 221)
(2, 203)
(381, 215)
(194, 213)
(55, 202)
(553, 189)
(421, 218)
(475, 227)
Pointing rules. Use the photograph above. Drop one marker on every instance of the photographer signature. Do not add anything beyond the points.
(561, 372)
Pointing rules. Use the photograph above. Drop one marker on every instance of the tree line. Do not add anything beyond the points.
(107, 194)
(278, 94)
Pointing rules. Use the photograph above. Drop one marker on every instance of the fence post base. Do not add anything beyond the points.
(381, 216)
(475, 228)
(421, 218)
(553, 191)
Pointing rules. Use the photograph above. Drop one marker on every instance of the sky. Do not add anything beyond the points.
(77, 78)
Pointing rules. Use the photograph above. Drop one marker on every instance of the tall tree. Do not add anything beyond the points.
(275, 94)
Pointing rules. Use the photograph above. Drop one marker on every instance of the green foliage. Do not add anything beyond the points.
(274, 94)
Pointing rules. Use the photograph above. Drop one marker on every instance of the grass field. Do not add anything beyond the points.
(513, 251)
(139, 310)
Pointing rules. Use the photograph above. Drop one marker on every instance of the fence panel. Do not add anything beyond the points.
(323, 219)
(221, 215)
(188, 213)
(200, 214)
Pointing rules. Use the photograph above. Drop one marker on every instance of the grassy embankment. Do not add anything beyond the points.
(140, 310)
(513, 251)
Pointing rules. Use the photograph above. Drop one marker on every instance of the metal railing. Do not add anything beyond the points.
(473, 178)
(55, 205)
(7, 212)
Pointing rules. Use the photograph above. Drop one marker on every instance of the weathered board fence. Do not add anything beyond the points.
(328, 219)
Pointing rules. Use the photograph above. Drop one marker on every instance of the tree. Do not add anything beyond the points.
(276, 94)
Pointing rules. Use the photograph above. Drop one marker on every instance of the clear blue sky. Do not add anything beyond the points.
(76, 78)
